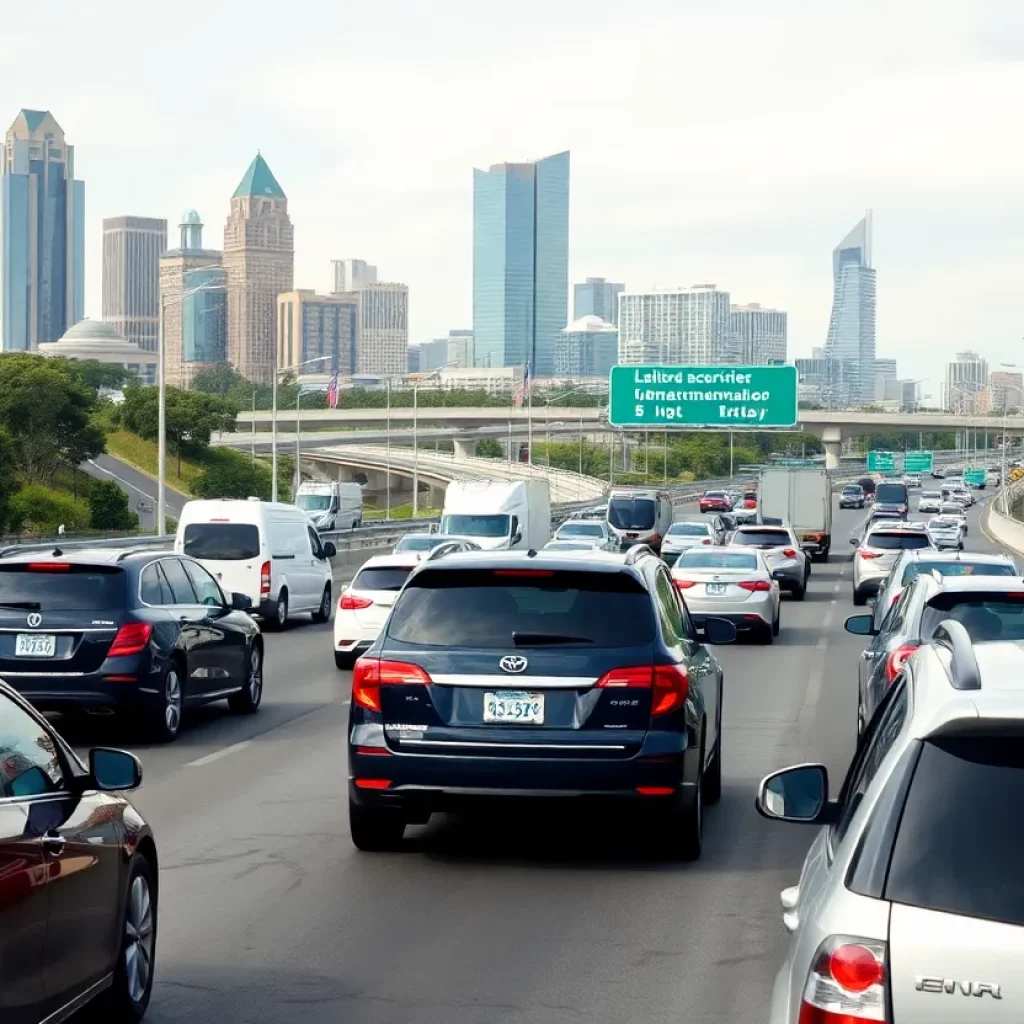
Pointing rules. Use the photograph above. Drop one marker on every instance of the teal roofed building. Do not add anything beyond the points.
(259, 180)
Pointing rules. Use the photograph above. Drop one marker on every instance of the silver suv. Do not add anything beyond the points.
(910, 907)
(877, 553)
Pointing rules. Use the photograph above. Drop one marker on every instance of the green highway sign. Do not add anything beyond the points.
(917, 462)
(974, 477)
(703, 396)
(881, 462)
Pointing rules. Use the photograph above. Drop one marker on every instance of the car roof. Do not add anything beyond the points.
(599, 561)
(730, 549)
(401, 560)
(90, 556)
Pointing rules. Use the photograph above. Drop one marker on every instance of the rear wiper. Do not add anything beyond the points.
(537, 639)
(30, 605)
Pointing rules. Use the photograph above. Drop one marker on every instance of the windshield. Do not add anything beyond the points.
(313, 502)
(222, 542)
(984, 616)
(581, 530)
(477, 526)
(631, 513)
(915, 569)
(486, 608)
(73, 588)
(891, 494)
(943, 524)
(930, 494)
(418, 542)
(687, 530)
(717, 560)
(951, 510)
(762, 538)
(568, 545)
(384, 577)
(853, 490)
(897, 541)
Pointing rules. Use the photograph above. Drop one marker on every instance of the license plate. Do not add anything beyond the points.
(778, 575)
(716, 588)
(514, 706)
(35, 645)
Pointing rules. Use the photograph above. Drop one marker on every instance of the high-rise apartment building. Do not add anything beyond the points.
(350, 275)
(885, 371)
(193, 295)
(688, 326)
(382, 341)
(588, 347)
(132, 247)
(432, 355)
(259, 257)
(520, 262)
(42, 234)
(850, 343)
(460, 349)
(966, 381)
(1007, 390)
(597, 297)
(316, 327)
(758, 335)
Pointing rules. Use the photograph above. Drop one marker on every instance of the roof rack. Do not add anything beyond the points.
(638, 551)
(954, 637)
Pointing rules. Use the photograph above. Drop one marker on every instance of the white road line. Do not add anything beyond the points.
(120, 480)
(218, 754)
(826, 622)
(811, 697)
(822, 643)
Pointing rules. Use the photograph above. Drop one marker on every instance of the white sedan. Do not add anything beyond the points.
(593, 531)
(929, 501)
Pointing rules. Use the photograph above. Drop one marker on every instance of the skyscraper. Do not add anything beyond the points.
(383, 338)
(259, 257)
(520, 262)
(311, 326)
(758, 335)
(132, 247)
(850, 343)
(597, 297)
(350, 275)
(687, 326)
(42, 234)
(966, 381)
(885, 371)
(460, 349)
(588, 347)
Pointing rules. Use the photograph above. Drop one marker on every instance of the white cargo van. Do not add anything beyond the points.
(267, 550)
(640, 516)
(499, 514)
(332, 506)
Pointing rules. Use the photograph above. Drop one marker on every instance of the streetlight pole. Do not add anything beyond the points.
(387, 463)
(415, 435)
(273, 416)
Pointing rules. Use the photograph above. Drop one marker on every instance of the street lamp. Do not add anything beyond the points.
(415, 432)
(1003, 466)
(273, 419)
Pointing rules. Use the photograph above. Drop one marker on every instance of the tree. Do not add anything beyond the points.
(230, 474)
(108, 507)
(219, 379)
(489, 448)
(44, 509)
(95, 375)
(8, 481)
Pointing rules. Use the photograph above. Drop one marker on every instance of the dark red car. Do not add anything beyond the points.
(750, 499)
(715, 501)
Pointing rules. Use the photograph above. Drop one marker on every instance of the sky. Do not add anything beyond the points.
(735, 142)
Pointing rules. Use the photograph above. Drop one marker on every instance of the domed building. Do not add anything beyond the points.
(94, 339)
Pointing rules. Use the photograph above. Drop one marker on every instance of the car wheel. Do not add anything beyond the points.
(859, 597)
(373, 829)
(323, 613)
(279, 620)
(713, 775)
(345, 660)
(166, 720)
(766, 634)
(777, 624)
(799, 592)
(127, 999)
(685, 828)
(247, 700)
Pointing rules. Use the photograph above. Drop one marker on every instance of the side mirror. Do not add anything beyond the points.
(719, 631)
(240, 602)
(329, 549)
(797, 794)
(861, 625)
(517, 537)
(113, 770)
(854, 541)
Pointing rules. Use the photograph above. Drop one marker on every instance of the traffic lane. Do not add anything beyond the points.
(136, 484)
(269, 913)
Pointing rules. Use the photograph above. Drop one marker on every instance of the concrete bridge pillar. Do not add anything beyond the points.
(832, 439)
(465, 449)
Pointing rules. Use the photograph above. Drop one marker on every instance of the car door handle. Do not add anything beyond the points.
(54, 843)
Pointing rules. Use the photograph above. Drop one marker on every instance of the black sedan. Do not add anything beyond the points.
(145, 632)
(78, 878)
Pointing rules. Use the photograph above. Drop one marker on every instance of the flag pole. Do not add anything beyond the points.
(529, 417)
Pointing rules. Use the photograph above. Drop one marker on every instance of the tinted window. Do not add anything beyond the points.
(382, 578)
(898, 541)
(581, 530)
(314, 544)
(672, 627)
(716, 560)
(985, 617)
(181, 589)
(153, 587)
(224, 542)
(939, 864)
(417, 542)
(68, 589)
(750, 495)
(632, 513)
(204, 584)
(478, 526)
(29, 765)
(484, 608)
(914, 569)
(687, 530)
(892, 494)
(763, 538)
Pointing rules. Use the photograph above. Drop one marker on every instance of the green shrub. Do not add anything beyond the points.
(43, 509)
(108, 507)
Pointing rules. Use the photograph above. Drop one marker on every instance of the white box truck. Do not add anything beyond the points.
(499, 514)
(332, 506)
(800, 498)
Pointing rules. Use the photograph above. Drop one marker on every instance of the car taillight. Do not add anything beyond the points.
(370, 674)
(131, 638)
(350, 603)
(48, 567)
(655, 538)
(265, 579)
(867, 554)
(789, 552)
(684, 584)
(706, 540)
(846, 983)
(669, 684)
(637, 677)
(895, 660)
(753, 585)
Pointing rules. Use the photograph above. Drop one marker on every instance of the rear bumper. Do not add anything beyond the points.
(754, 620)
(870, 584)
(139, 689)
(789, 578)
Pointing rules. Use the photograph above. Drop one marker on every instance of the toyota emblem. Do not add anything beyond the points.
(513, 663)
(35, 619)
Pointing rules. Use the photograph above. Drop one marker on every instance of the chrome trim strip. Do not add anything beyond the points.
(511, 746)
(59, 629)
(44, 675)
(516, 681)
(79, 1001)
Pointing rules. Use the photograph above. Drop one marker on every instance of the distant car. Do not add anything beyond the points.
(929, 501)
(423, 543)
(867, 485)
(781, 551)
(572, 545)
(750, 499)
(715, 501)
(945, 533)
(683, 536)
(938, 474)
(852, 496)
(954, 510)
(877, 553)
(594, 532)
(912, 480)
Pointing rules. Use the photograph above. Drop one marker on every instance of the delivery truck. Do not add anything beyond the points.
(800, 498)
(499, 514)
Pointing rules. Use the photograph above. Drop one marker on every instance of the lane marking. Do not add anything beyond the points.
(826, 622)
(218, 754)
(822, 643)
(811, 697)
(121, 480)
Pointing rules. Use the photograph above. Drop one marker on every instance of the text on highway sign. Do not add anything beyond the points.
(881, 462)
(918, 462)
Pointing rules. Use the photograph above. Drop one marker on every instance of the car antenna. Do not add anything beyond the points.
(57, 552)
(532, 553)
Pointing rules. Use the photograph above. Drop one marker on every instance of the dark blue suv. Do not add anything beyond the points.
(537, 675)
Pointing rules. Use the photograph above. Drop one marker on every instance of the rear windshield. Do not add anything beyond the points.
(714, 494)
(853, 490)
(763, 538)
(984, 616)
(687, 530)
(417, 542)
(631, 513)
(939, 864)
(914, 569)
(895, 494)
(581, 530)
(750, 495)
(717, 560)
(70, 589)
(383, 578)
(225, 542)
(897, 541)
(487, 608)
(951, 510)
(930, 494)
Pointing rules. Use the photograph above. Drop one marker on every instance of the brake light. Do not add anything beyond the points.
(671, 686)
(896, 660)
(131, 638)
(706, 540)
(684, 584)
(789, 552)
(373, 783)
(524, 572)
(864, 553)
(265, 580)
(48, 567)
(638, 677)
(754, 585)
(846, 983)
(370, 674)
(655, 538)
(350, 603)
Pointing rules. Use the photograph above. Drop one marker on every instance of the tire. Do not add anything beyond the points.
(766, 635)
(166, 721)
(279, 620)
(344, 660)
(127, 999)
(323, 613)
(684, 839)
(777, 624)
(859, 598)
(373, 830)
(800, 592)
(713, 774)
(247, 700)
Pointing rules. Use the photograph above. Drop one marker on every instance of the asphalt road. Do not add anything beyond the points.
(139, 486)
(268, 914)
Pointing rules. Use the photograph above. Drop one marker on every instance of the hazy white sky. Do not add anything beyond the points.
(733, 142)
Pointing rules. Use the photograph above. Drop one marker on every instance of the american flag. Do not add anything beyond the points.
(332, 393)
(522, 392)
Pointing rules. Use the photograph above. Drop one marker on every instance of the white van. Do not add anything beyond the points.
(332, 506)
(267, 550)
(637, 515)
